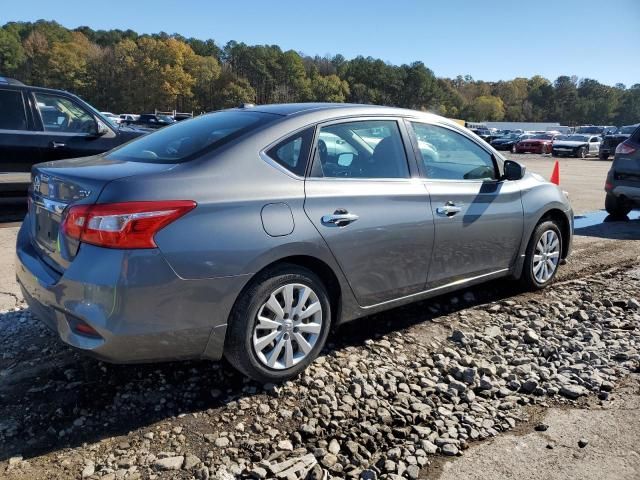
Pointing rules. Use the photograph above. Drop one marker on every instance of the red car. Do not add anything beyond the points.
(541, 143)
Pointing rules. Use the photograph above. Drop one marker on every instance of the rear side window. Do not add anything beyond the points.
(188, 140)
(293, 152)
(12, 113)
(361, 149)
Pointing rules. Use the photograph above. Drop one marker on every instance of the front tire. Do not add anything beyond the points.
(543, 255)
(603, 156)
(279, 324)
(616, 206)
(582, 153)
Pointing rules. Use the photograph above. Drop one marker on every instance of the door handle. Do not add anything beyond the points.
(340, 218)
(58, 145)
(448, 210)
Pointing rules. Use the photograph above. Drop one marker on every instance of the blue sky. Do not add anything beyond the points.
(487, 39)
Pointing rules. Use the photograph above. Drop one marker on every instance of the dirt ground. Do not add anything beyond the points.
(612, 432)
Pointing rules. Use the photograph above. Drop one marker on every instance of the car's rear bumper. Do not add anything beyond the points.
(141, 309)
(628, 190)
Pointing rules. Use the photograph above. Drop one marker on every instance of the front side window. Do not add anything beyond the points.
(184, 141)
(363, 149)
(12, 113)
(60, 114)
(293, 153)
(448, 155)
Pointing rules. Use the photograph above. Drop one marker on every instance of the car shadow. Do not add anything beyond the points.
(602, 225)
(53, 397)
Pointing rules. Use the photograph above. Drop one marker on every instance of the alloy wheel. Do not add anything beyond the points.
(287, 326)
(546, 256)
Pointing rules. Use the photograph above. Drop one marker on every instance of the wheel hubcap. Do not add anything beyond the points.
(287, 326)
(546, 256)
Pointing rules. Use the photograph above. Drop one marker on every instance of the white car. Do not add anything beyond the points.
(576, 145)
(128, 117)
(111, 116)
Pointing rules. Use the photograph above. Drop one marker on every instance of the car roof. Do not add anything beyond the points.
(317, 111)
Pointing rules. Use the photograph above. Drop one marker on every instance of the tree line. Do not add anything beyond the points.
(123, 71)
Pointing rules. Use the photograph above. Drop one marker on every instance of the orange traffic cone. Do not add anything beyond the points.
(555, 175)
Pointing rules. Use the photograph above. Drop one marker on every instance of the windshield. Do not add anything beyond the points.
(187, 140)
(574, 138)
(628, 130)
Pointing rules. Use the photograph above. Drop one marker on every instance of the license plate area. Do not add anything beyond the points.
(47, 226)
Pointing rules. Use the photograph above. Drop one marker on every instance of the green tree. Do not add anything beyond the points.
(12, 54)
(329, 88)
(487, 108)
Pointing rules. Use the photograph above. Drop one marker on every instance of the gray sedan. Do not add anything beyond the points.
(248, 233)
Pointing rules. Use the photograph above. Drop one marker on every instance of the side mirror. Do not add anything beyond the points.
(513, 170)
(100, 129)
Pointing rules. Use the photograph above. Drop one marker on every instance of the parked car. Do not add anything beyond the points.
(41, 124)
(611, 141)
(234, 234)
(538, 143)
(508, 142)
(596, 129)
(576, 145)
(114, 119)
(623, 180)
(178, 117)
(128, 117)
(483, 133)
(152, 121)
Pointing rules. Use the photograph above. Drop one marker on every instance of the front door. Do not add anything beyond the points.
(374, 217)
(478, 218)
(69, 130)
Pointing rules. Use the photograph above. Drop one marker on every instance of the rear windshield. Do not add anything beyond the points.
(188, 140)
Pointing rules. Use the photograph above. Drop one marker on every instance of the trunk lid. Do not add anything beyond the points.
(57, 185)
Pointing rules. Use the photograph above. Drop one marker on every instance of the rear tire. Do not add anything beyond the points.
(603, 156)
(542, 257)
(283, 330)
(616, 206)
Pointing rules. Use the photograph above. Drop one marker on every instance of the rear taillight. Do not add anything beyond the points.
(625, 149)
(122, 225)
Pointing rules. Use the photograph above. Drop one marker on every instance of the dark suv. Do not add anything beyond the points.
(612, 140)
(623, 180)
(41, 124)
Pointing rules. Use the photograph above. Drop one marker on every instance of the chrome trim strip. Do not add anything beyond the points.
(266, 158)
(441, 287)
(48, 204)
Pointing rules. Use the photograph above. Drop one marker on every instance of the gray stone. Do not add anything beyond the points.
(169, 463)
(449, 449)
(572, 391)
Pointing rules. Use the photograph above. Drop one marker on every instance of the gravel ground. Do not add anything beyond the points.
(411, 393)
(385, 401)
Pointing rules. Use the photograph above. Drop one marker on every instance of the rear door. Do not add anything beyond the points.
(68, 129)
(18, 150)
(478, 218)
(375, 218)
